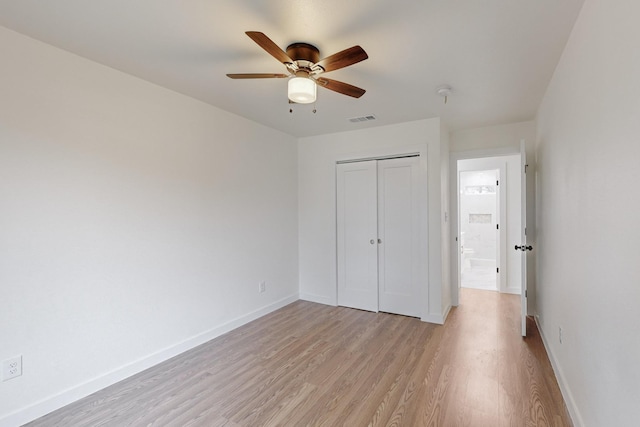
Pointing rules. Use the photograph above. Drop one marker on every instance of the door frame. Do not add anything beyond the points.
(427, 219)
(454, 184)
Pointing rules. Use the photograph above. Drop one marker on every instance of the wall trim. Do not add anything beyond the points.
(438, 319)
(574, 413)
(80, 391)
(446, 313)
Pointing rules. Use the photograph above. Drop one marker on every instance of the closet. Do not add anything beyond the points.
(377, 235)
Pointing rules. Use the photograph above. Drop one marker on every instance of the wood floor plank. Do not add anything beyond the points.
(314, 365)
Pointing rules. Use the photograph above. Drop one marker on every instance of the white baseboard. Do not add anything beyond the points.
(446, 314)
(73, 394)
(512, 291)
(438, 319)
(320, 299)
(576, 418)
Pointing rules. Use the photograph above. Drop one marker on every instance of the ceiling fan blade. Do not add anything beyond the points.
(343, 59)
(341, 87)
(257, 76)
(267, 44)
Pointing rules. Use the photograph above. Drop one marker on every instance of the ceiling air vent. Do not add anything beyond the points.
(362, 119)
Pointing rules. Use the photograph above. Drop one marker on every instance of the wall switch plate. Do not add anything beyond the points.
(560, 335)
(262, 286)
(11, 368)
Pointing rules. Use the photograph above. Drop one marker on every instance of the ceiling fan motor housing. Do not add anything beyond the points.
(303, 52)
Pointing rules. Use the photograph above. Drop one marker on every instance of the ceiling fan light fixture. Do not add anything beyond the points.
(302, 90)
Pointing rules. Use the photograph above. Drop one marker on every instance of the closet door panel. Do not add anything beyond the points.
(356, 230)
(399, 240)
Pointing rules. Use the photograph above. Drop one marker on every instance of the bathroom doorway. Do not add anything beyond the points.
(479, 229)
(492, 185)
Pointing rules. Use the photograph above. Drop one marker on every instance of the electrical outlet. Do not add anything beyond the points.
(560, 335)
(11, 368)
(262, 286)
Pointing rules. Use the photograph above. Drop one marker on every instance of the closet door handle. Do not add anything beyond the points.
(372, 241)
(379, 241)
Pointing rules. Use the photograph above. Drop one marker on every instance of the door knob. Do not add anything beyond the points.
(372, 241)
(524, 248)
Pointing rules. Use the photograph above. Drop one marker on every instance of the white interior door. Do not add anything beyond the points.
(398, 236)
(523, 225)
(357, 224)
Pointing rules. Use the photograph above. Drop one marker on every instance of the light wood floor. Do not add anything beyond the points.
(311, 365)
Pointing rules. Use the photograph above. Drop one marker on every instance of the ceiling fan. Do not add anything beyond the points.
(305, 67)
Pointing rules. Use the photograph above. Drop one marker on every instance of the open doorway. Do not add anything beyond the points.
(487, 224)
(479, 222)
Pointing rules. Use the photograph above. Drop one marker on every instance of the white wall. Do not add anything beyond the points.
(317, 158)
(588, 210)
(134, 223)
(494, 137)
(445, 218)
(501, 140)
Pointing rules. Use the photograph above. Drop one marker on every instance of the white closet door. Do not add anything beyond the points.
(398, 219)
(357, 235)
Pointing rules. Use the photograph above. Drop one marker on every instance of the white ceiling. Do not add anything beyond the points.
(498, 55)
